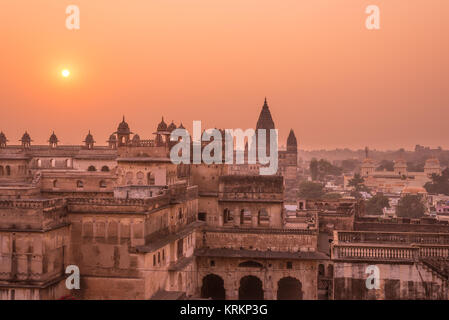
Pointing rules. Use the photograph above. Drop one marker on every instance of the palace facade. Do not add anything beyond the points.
(140, 227)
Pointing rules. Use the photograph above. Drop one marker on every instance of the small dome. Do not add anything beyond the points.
(26, 138)
(112, 138)
(123, 127)
(53, 139)
(3, 139)
(162, 126)
(181, 126)
(89, 138)
(136, 138)
(171, 127)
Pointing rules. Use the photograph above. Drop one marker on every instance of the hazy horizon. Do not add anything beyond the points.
(324, 74)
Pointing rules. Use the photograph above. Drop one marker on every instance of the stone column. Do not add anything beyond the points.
(220, 218)
(236, 217)
(254, 218)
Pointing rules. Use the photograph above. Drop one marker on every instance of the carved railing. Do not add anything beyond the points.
(434, 251)
(32, 203)
(389, 253)
(375, 253)
(391, 237)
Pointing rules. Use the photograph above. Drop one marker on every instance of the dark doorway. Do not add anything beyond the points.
(250, 288)
(202, 216)
(180, 248)
(213, 287)
(289, 289)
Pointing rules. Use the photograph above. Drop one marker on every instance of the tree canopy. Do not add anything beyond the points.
(319, 169)
(311, 190)
(410, 206)
(439, 184)
(376, 204)
(357, 183)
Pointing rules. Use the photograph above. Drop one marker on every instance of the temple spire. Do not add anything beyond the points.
(265, 120)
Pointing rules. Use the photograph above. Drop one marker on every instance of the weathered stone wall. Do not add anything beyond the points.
(271, 272)
(33, 259)
(397, 281)
(258, 240)
(54, 182)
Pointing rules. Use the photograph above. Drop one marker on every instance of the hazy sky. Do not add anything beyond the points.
(325, 75)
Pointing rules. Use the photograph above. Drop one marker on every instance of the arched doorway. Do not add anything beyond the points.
(213, 287)
(289, 289)
(250, 288)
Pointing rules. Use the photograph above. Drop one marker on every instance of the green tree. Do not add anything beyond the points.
(376, 204)
(357, 183)
(439, 184)
(325, 168)
(410, 206)
(311, 190)
(314, 169)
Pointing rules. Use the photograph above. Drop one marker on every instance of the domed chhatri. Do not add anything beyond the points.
(53, 141)
(162, 126)
(26, 140)
(89, 141)
(112, 141)
(123, 127)
(172, 126)
(135, 140)
(123, 133)
(3, 140)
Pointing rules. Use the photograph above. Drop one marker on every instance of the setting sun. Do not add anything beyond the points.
(65, 73)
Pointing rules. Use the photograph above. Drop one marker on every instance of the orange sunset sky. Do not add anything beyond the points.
(325, 75)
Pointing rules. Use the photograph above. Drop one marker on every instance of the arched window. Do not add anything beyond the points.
(39, 163)
(227, 216)
(102, 184)
(1, 171)
(321, 270)
(8, 170)
(262, 217)
(68, 163)
(91, 168)
(79, 184)
(55, 183)
(105, 168)
(53, 163)
(330, 271)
